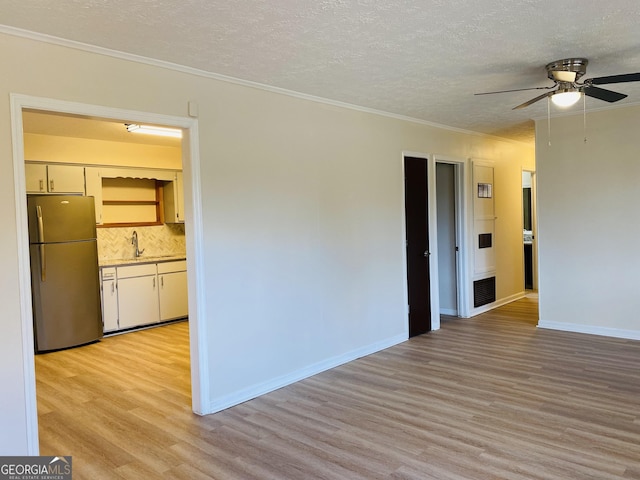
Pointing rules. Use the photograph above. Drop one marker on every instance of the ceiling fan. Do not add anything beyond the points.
(566, 90)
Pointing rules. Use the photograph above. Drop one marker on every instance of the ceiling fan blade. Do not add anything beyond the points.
(515, 90)
(533, 100)
(602, 94)
(627, 77)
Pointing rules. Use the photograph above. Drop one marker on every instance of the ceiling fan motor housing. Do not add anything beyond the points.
(567, 70)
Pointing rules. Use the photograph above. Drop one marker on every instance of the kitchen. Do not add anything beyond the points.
(136, 182)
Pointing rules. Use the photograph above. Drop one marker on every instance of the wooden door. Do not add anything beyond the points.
(417, 228)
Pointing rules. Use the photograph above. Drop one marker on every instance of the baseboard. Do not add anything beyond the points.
(590, 329)
(254, 391)
(497, 303)
(449, 311)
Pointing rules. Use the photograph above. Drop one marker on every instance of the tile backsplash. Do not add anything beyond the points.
(115, 243)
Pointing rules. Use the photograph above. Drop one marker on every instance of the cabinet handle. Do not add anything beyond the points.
(113, 288)
(51, 185)
(162, 282)
(154, 282)
(41, 185)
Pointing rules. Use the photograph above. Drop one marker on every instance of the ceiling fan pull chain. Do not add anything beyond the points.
(549, 120)
(584, 116)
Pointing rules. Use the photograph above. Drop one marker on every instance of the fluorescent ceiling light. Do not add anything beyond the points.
(565, 98)
(151, 130)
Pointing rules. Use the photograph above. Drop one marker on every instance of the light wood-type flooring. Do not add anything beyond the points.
(492, 397)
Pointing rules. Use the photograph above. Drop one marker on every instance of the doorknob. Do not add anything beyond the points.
(426, 253)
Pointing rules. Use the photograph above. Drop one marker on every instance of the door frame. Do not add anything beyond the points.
(416, 321)
(534, 226)
(463, 185)
(200, 387)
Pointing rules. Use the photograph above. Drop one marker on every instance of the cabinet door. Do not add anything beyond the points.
(109, 305)
(65, 179)
(173, 295)
(180, 197)
(174, 200)
(138, 301)
(93, 183)
(36, 177)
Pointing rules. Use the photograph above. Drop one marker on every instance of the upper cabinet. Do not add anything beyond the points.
(41, 178)
(123, 196)
(174, 200)
(93, 184)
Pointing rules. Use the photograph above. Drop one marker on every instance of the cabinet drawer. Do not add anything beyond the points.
(168, 267)
(108, 273)
(136, 270)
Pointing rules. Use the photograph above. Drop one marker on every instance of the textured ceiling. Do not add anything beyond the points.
(423, 59)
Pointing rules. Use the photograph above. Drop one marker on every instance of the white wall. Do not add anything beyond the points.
(302, 218)
(589, 223)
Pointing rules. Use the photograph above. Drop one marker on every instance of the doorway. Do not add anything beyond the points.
(529, 230)
(190, 160)
(447, 238)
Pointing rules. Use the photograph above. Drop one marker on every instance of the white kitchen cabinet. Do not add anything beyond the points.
(109, 292)
(93, 188)
(137, 295)
(36, 177)
(65, 179)
(172, 279)
(41, 178)
(174, 200)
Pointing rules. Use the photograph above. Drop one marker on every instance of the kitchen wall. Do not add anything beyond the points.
(302, 258)
(51, 148)
(589, 222)
(115, 243)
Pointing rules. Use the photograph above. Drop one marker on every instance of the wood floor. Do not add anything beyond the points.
(491, 397)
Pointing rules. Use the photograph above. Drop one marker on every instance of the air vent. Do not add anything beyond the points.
(484, 240)
(484, 291)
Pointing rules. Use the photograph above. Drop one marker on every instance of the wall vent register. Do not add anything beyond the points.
(484, 291)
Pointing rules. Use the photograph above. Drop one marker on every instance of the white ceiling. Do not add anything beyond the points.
(418, 58)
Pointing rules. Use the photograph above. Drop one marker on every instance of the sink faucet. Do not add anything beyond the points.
(134, 242)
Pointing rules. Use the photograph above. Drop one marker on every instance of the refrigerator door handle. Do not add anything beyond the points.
(43, 263)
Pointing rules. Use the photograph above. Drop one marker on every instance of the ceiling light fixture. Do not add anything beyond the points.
(152, 130)
(566, 97)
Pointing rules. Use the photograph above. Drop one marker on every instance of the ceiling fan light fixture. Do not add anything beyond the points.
(564, 76)
(566, 98)
(153, 130)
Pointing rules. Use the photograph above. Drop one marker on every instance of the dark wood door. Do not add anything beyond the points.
(417, 227)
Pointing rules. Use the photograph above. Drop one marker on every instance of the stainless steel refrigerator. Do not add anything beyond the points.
(64, 271)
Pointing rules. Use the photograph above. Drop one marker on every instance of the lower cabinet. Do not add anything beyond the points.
(172, 279)
(109, 299)
(138, 299)
(138, 295)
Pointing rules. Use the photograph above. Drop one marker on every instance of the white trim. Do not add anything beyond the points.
(590, 329)
(40, 37)
(434, 272)
(306, 372)
(199, 354)
(462, 230)
(24, 280)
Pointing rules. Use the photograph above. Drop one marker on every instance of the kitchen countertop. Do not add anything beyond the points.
(119, 262)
